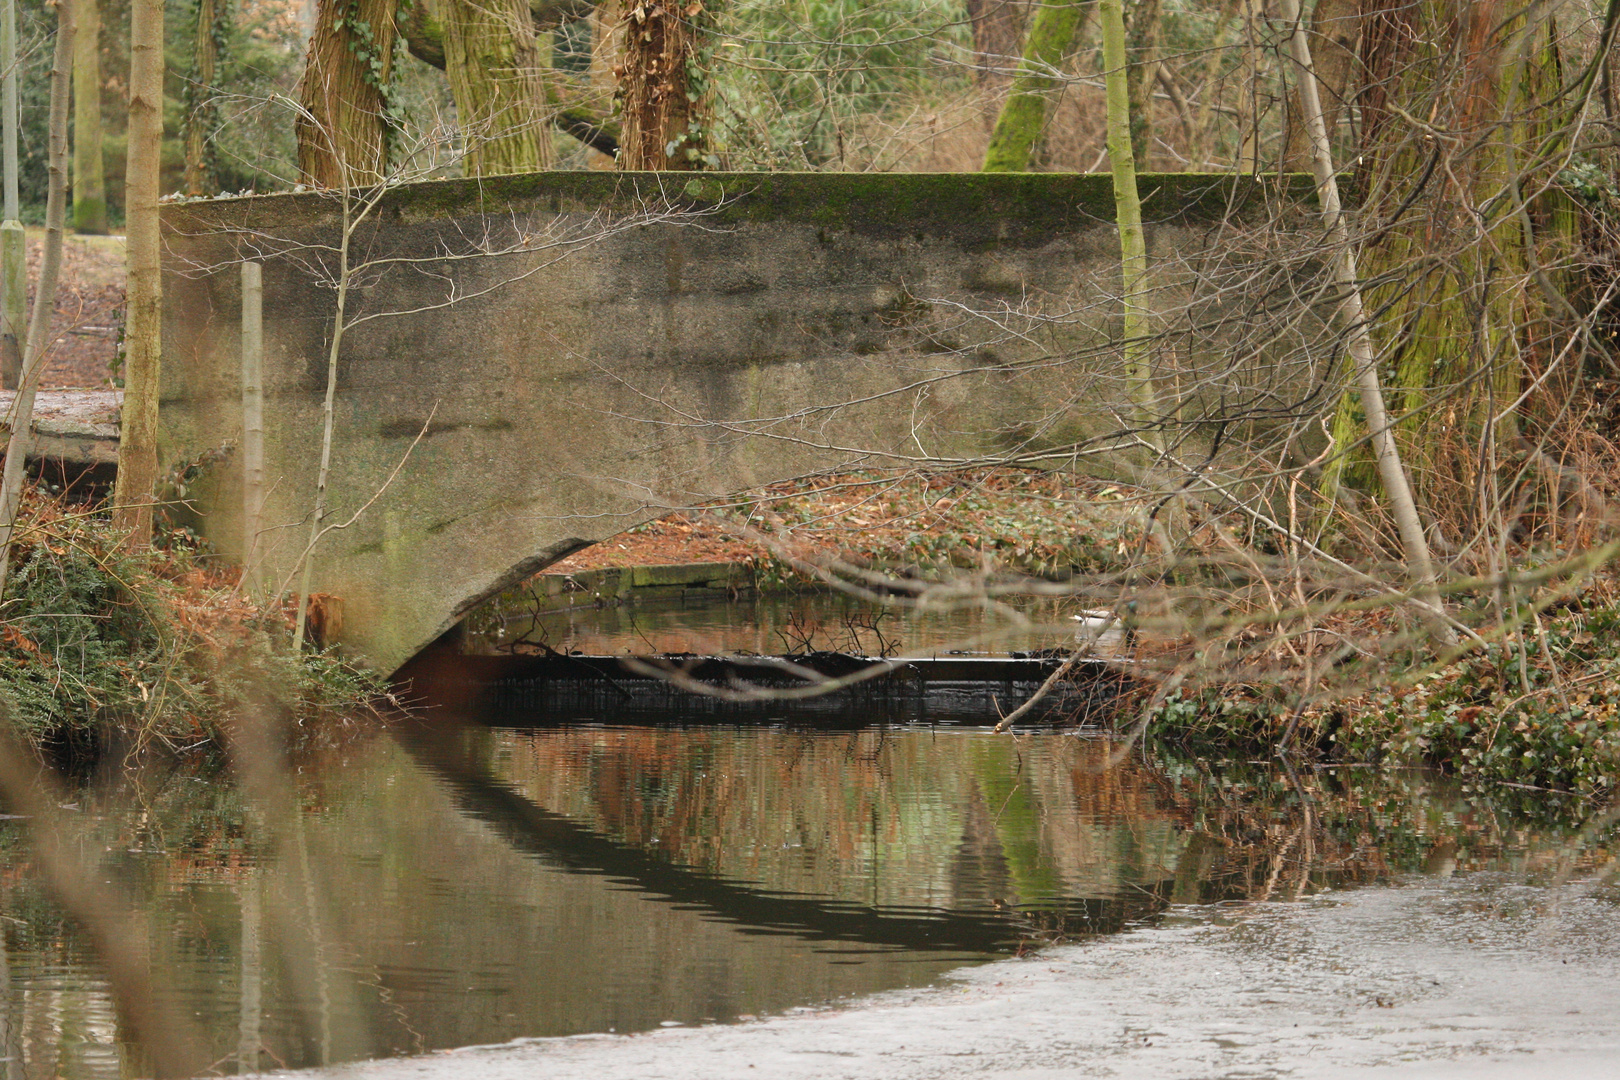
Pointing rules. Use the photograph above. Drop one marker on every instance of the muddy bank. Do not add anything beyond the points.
(1466, 978)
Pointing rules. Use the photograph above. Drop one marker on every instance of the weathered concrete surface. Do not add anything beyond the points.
(647, 347)
(76, 427)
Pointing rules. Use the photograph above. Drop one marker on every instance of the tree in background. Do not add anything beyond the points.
(137, 451)
(346, 120)
(210, 28)
(662, 93)
(1142, 44)
(89, 176)
(1023, 118)
(495, 64)
(1470, 121)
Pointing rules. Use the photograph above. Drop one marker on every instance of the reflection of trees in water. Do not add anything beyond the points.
(972, 818)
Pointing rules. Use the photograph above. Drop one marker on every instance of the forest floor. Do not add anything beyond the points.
(88, 327)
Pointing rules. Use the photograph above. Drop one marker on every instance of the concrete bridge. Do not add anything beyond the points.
(531, 364)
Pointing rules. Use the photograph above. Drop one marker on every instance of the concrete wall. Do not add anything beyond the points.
(652, 342)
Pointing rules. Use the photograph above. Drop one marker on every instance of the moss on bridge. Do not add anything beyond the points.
(1005, 208)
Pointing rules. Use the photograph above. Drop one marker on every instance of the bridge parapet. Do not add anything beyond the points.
(534, 363)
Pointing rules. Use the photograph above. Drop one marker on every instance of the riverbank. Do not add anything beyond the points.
(103, 649)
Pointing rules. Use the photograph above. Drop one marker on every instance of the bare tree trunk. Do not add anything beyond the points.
(1352, 316)
(89, 174)
(1128, 214)
(143, 321)
(493, 60)
(22, 409)
(1023, 118)
(663, 107)
(1250, 108)
(252, 418)
(607, 57)
(199, 96)
(345, 122)
(328, 421)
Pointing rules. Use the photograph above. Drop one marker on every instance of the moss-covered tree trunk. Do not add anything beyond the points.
(1469, 313)
(143, 322)
(1128, 215)
(200, 111)
(89, 170)
(660, 88)
(1352, 315)
(345, 121)
(495, 65)
(1023, 118)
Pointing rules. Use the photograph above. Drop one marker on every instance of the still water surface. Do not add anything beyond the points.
(446, 884)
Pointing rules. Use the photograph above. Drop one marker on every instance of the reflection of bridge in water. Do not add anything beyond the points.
(635, 348)
(564, 843)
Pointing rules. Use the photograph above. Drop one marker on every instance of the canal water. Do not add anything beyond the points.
(457, 881)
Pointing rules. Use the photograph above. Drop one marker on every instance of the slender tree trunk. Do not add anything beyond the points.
(89, 174)
(1253, 63)
(607, 58)
(1023, 118)
(1352, 315)
(345, 121)
(328, 418)
(22, 411)
(1142, 46)
(200, 98)
(143, 321)
(493, 59)
(663, 106)
(1128, 214)
(13, 239)
(252, 419)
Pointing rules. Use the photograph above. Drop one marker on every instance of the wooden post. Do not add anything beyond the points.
(252, 418)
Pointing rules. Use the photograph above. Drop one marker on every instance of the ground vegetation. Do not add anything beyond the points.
(108, 650)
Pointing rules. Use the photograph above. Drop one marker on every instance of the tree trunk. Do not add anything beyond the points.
(143, 321)
(1469, 304)
(998, 31)
(662, 102)
(1352, 315)
(89, 174)
(1142, 52)
(1128, 214)
(585, 116)
(493, 60)
(200, 99)
(345, 121)
(22, 411)
(1023, 118)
